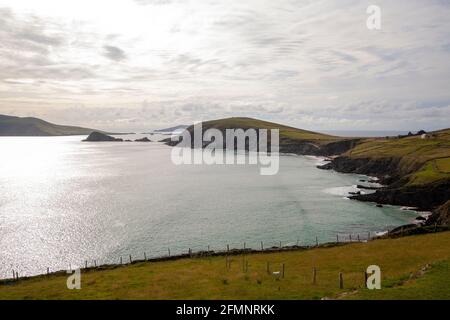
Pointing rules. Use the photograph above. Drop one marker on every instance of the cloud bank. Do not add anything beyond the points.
(138, 64)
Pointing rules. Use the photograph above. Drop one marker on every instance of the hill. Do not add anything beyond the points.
(413, 267)
(17, 126)
(415, 168)
(292, 140)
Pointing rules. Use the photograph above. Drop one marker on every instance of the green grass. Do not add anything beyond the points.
(208, 278)
(433, 170)
(424, 160)
(433, 284)
(285, 131)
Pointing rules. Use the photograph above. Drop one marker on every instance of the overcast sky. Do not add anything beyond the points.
(141, 64)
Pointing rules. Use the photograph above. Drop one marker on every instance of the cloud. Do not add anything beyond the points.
(114, 53)
(311, 64)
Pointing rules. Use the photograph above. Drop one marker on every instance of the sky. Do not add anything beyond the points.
(135, 65)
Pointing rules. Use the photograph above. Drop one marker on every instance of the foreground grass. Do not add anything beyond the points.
(434, 283)
(208, 278)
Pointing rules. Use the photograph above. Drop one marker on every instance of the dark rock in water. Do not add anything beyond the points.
(355, 193)
(425, 197)
(100, 137)
(420, 218)
(145, 139)
(379, 206)
(359, 186)
(362, 180)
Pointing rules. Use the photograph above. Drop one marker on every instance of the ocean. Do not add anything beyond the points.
(64, 202)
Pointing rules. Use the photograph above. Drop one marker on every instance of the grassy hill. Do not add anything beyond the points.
(420, 160)
(413, 267)
(292, 140)
(16, 126)
(285, 131)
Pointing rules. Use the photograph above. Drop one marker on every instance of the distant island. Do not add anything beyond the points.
(28, 126)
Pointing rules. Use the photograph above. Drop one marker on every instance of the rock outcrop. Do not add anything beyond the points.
(145, 139)
(424, 197)
(440, 216)
(100, 137)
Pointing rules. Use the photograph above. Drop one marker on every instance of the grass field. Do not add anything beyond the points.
(209, 278)
(426, 160)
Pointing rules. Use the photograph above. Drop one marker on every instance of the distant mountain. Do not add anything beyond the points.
(172, 129)
(17, 126)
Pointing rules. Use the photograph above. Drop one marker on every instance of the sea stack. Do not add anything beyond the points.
(100, 137)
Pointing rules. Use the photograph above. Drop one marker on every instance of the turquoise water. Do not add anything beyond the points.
(63, 202)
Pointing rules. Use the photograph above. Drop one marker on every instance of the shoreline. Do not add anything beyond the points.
(405, 232)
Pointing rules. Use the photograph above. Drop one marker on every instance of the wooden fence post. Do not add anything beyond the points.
(121, 261)
(145, 256)
(262, 246)
(365, 279)
(337, 238)
(317, 242)
(282, 271)
(268, 267)
(350, 237)
(228, 248)
(168, 250)
(131, 260)
(341, 281)
(314, 275)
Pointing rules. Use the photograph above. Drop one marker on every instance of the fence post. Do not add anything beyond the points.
(280, 244)
(121, 262)
(262, 246)
(358, 237)
(131, 260)
(341, 281)
(314, 275)
(85, 264)
(48, 271)
(95, 263)
(365, 279)
(317, 242)
(145, 256)
(228, 248)
(350, 237)
(268, 267)
(282, 271)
